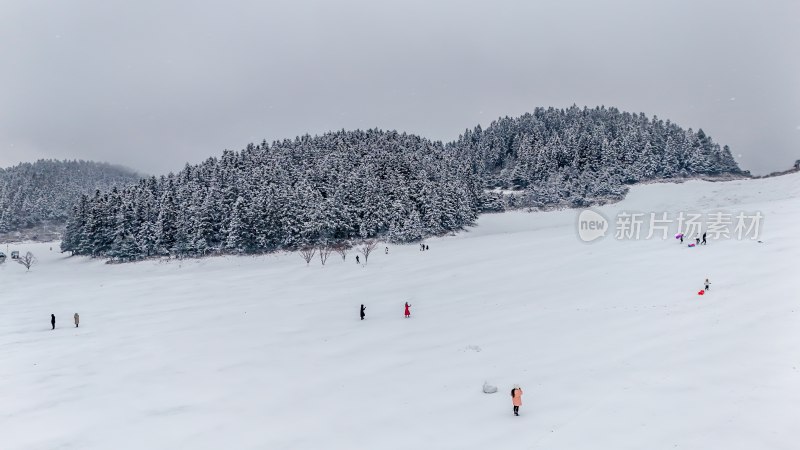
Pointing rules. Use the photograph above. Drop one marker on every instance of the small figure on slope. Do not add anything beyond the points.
(408, 310)
(387, 250)
(53, 320)
(704, 238)
(708, 284)
(363, 308)
(516, 398)
(357, 261)
(77, 319)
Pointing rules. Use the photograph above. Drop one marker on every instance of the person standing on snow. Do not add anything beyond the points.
(53, 320)
(387, 250)
(357, 261)
(708, 284)
(516, 398)
(362, 311)
(408, 310)
(77, 319)
(704, 238)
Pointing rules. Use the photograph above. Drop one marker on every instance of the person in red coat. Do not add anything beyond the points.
(408, 311)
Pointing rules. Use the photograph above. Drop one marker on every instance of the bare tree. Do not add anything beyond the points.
(324, 252)
(27, 260)
(341, 249)
(366, 248)
(308, 254)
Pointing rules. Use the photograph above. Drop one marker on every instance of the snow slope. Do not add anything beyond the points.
(610, 341)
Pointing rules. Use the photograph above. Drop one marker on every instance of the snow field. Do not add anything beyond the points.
(610, 341)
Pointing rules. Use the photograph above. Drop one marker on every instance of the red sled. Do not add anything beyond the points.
(701, 292)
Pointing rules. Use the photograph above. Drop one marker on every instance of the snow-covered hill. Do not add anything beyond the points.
(611, 343)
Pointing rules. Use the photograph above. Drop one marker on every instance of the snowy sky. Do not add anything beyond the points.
(154, 84)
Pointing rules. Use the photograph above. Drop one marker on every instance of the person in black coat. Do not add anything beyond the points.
(362, 312)
(704, 238)
(53, 320)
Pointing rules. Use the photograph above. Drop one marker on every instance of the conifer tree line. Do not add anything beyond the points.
(46, 190)
(578, 157)
(295, 193)
(348, 186)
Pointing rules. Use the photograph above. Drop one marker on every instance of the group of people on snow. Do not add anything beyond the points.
(363, 310)
(76, 317)
(422, 248)
(697, 240)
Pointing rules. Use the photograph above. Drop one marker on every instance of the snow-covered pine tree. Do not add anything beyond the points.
(368, 184)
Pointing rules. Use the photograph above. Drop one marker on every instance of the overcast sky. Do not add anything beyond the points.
(155, 84)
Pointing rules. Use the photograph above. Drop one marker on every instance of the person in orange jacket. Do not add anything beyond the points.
(516, 398)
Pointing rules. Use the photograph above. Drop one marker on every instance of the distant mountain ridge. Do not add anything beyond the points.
(44, 191)
(351, 185)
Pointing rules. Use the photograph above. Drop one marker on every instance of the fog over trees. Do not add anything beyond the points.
(44, 191)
